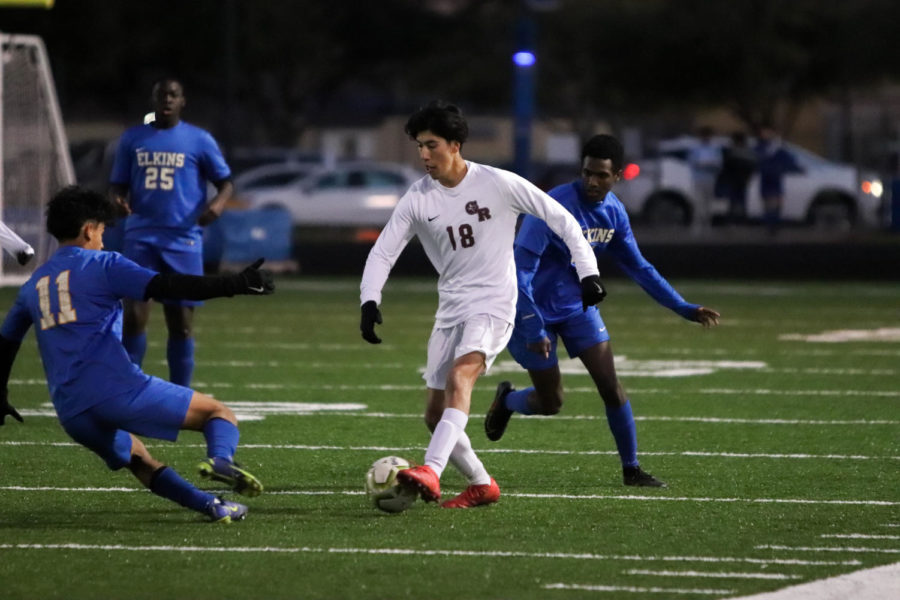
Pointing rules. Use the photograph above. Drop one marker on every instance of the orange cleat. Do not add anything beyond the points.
(475, 495)
(422, 479)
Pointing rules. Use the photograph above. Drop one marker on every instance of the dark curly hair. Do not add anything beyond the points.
(72, 207)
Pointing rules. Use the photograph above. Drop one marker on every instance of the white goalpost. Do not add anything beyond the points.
(34, 152)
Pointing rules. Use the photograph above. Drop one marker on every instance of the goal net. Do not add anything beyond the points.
(34, 153)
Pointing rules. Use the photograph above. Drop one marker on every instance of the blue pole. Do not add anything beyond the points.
(523, 101)
(524, 112)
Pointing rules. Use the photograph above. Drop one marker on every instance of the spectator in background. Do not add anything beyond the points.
(775, 161)
(705, 159)
(738, 165)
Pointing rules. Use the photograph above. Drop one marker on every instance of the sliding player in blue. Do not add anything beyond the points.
(102, 399)
(549, 305)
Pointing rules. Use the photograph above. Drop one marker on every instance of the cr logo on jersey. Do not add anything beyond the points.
(483, 213)
(598, 235)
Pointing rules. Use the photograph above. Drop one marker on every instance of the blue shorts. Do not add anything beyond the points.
(579, 332)
(158, 411)
(185, 259)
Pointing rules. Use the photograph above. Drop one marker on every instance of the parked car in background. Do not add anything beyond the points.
(827, 194)
(358, 194)
(267, 177)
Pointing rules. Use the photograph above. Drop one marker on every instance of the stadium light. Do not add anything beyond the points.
(524, 58)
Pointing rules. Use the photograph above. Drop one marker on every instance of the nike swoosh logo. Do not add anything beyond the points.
(602, 329)
(259, 290)
(430, 219)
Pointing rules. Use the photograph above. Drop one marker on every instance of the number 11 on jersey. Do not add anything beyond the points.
(66, 312)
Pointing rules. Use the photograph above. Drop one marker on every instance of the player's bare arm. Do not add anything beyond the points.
(118, 195)
(541, 347)
(217, 204)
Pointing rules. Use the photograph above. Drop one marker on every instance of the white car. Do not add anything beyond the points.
(275, 175)
(826, 194)
(354, 194)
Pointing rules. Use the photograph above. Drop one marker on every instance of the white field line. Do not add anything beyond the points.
(317, 448)
(859, 536)
(634, 589)
(849, 549)
(574, 497)
(826, 393)
(711, 574)
(423, 552)
(573, 390)
(356, 410)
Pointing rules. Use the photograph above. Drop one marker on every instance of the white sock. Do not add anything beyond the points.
(443, 440)
(465, 460)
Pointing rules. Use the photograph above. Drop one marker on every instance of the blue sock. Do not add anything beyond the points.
(621, 423)
(170, 485)
(221, 438)
(180, 354)
(136, 346)
(518, 401)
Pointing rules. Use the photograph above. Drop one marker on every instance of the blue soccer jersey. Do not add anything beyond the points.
(166, 171)
(549, 288)
(74, 302)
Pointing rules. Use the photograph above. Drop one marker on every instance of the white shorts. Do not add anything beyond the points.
(481, 333)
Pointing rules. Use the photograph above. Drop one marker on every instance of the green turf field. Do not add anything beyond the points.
(782, 453)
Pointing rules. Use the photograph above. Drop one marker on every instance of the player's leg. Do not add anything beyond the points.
(544, 397)
(219, 426)
(188, 260)
(180, 344)
(165, 482)
(447, 424)
(456, 358)
(482, 489)
(134, 329)
(136, 312)
(599, 361)
(118, 448)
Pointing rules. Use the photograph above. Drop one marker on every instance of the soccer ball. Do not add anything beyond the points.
(382, 487)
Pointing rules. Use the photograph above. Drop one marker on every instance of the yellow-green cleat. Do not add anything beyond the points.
(241, 481)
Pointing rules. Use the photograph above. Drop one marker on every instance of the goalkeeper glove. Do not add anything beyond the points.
(370, 316)
(592, 291)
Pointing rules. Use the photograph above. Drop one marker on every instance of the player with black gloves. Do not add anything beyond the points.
(103, 400)
(464, 214)
(554, 302)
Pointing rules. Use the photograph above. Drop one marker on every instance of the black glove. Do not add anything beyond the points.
(253, 280)
(592, 291)
(6, 409)
(370, 316)
(24, 256)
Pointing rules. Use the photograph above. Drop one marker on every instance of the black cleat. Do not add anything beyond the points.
(497, 417)
(638, 477)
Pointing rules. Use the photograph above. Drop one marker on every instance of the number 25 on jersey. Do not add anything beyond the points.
(159, 177)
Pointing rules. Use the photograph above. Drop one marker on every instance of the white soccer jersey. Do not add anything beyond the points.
(467, 232)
